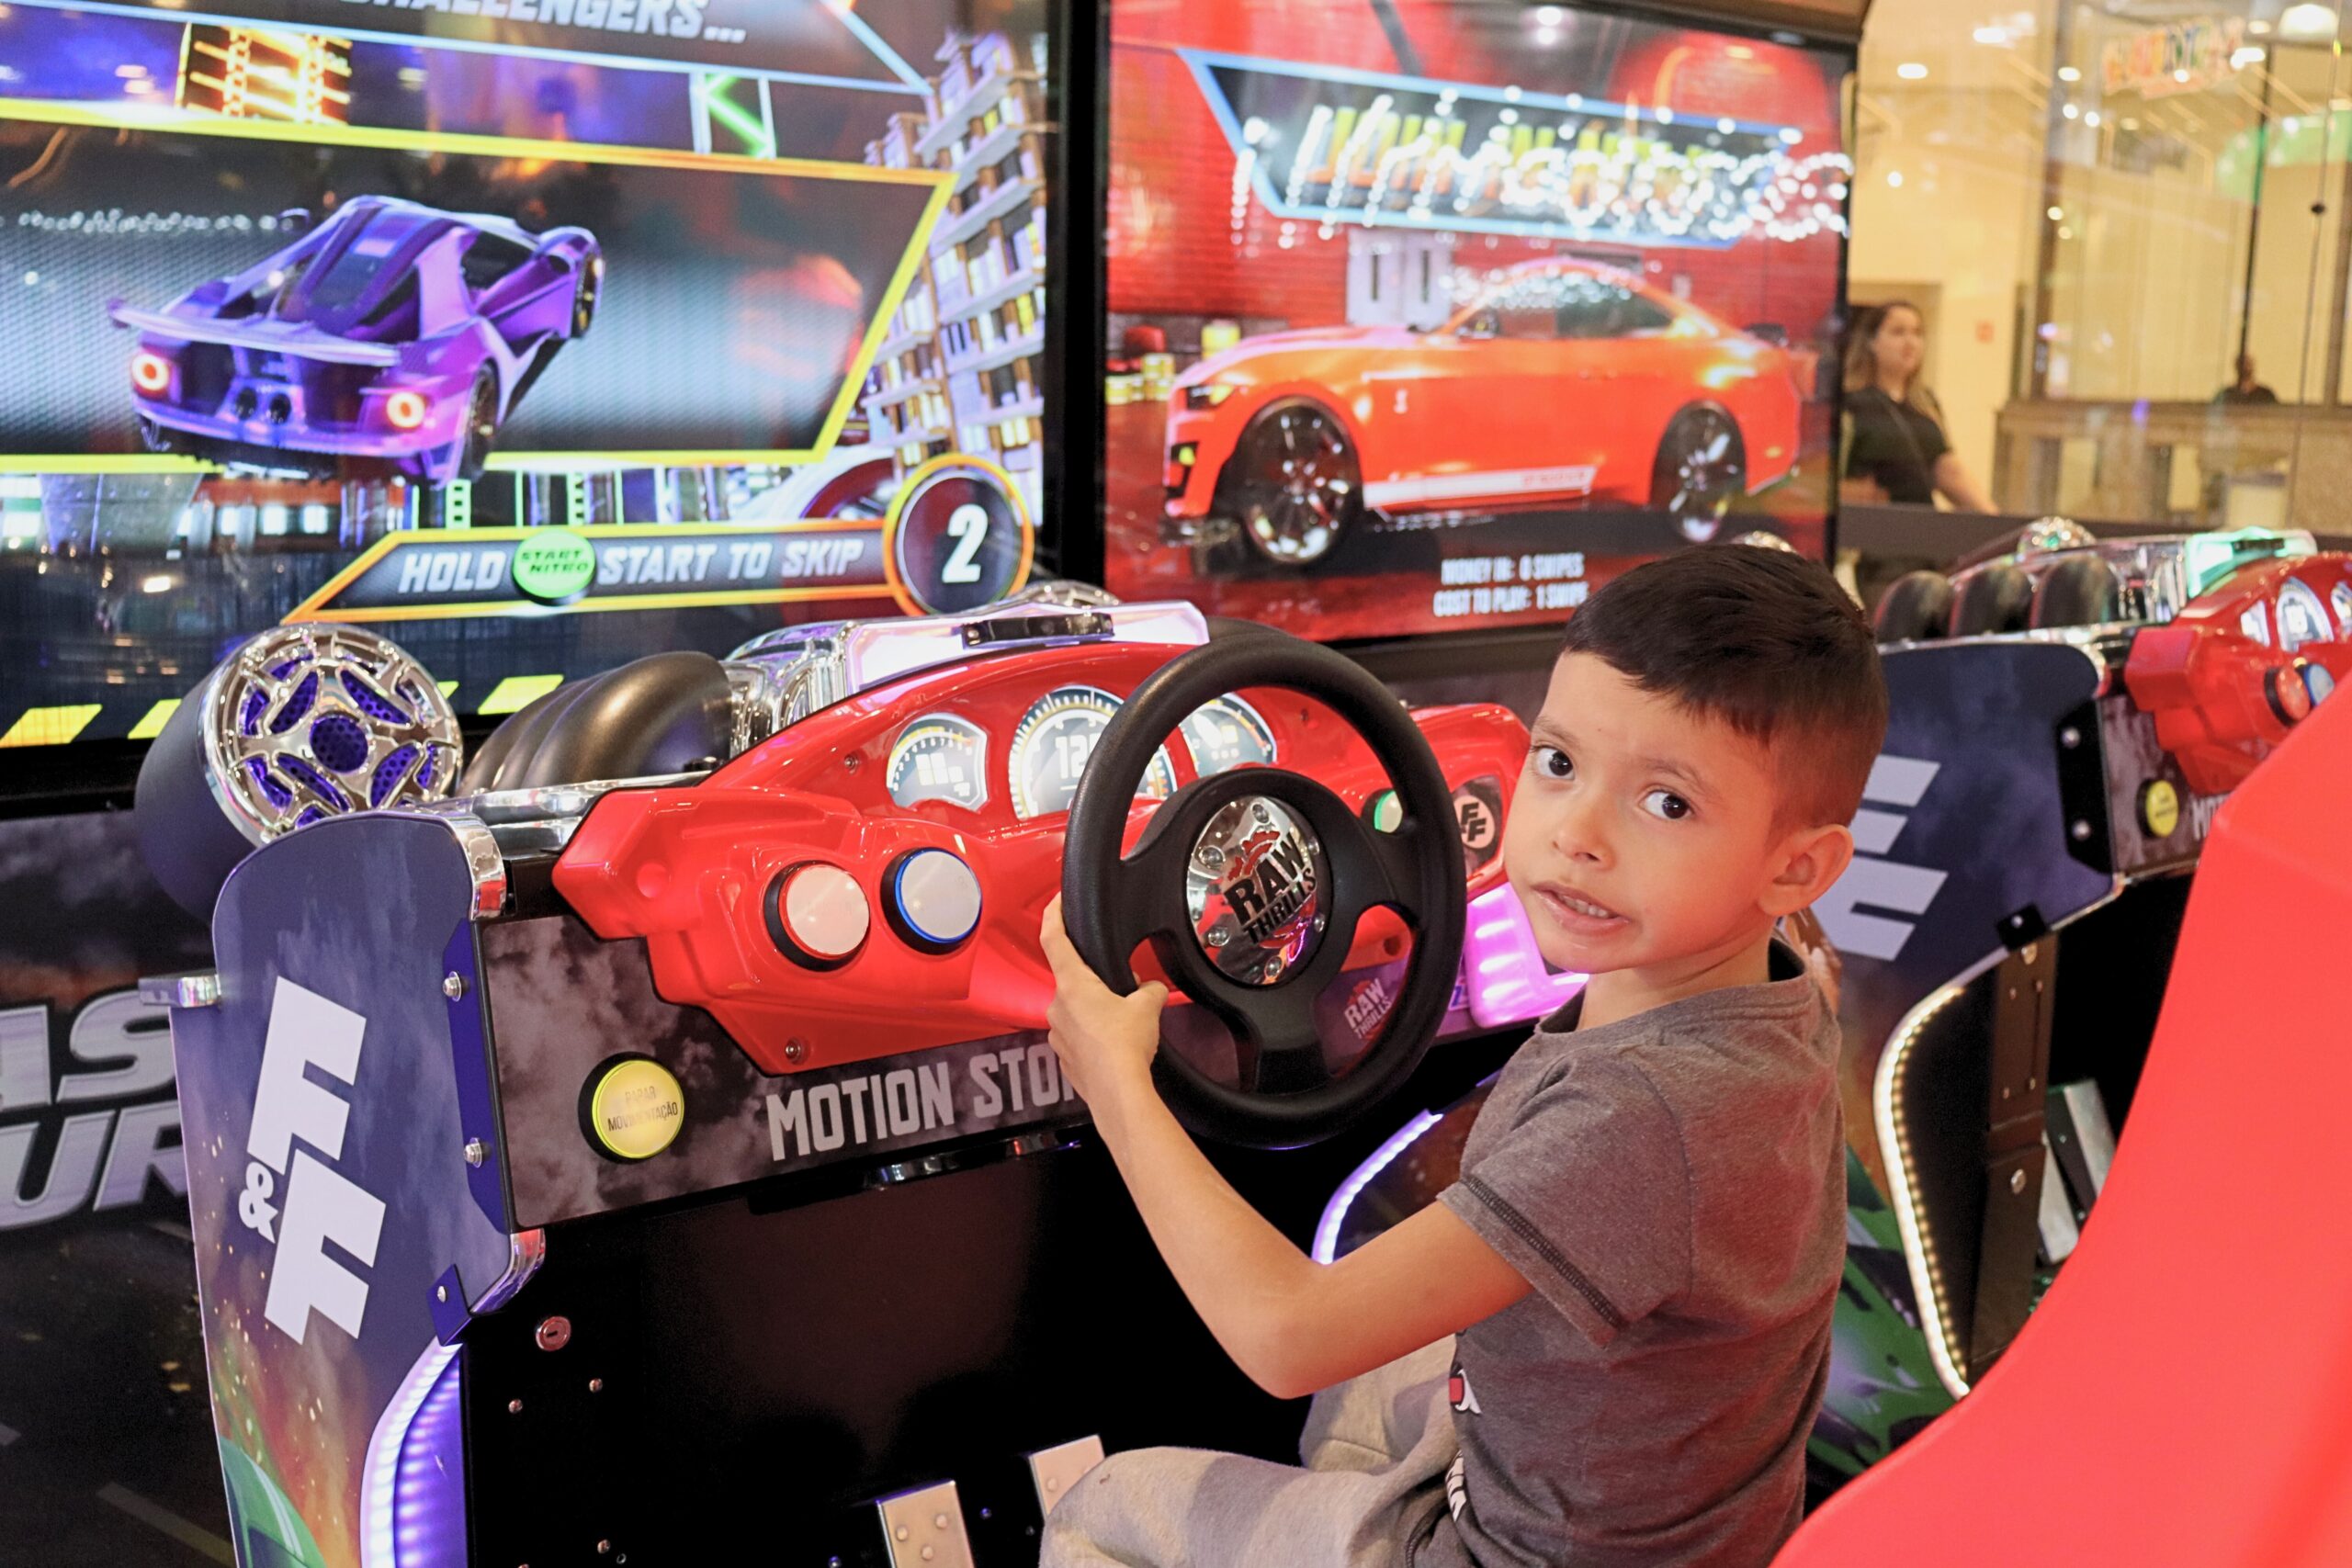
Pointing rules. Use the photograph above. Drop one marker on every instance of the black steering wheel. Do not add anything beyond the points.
(1248, 886)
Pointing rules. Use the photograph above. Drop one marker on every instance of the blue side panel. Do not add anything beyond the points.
(1962, 828)
(328, 1186)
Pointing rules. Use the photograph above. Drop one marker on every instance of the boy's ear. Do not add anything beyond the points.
(1812, 859)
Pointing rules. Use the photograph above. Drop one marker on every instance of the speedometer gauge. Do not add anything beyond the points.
(1057, 739)
(939, 757)
(2301, 618)
(1226, 732)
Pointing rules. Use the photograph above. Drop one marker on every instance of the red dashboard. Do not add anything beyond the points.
(829, 897)
(2235, 672)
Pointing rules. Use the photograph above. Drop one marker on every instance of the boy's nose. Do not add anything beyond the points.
(1580, 835)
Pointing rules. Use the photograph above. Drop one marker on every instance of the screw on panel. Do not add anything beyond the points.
(595, 1385)
(2016, 1181)
(796, 1049)
(553, 1333)
(441, 1293)
(476, 1152)
(2081, 831)
(2070, 738)
(453, 985)
(514, 1407)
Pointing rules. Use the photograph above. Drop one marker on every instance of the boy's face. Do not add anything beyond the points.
(1642, 835)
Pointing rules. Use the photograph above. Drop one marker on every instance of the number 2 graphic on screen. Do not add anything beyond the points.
(969, 525)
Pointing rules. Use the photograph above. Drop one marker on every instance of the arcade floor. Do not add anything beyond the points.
(106, 1456)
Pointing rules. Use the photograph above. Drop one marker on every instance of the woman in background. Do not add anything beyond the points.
(1895, 448)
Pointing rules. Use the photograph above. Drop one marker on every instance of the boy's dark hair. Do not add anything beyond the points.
(1767, 642)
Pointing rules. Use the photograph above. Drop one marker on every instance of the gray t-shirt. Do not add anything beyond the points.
(1673, 1187)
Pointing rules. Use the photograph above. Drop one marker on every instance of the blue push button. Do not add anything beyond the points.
(934, 899)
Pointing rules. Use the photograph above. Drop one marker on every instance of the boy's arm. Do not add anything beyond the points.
(1293, 1324)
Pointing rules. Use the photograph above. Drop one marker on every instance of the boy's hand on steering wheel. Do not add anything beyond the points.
(1105, 1041)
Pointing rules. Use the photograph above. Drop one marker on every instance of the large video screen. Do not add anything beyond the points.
(1437, 315)
(745, 318)
(434, 307)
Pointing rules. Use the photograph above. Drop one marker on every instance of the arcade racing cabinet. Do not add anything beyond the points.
(658, 1170)
(2181, 1394)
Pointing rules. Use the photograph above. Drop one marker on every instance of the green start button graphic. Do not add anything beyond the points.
(554, 566)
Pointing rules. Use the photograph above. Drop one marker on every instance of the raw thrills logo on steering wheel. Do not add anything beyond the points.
(1272, 883)
(1251, 889)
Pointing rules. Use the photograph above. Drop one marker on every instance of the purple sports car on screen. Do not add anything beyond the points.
(392, 332)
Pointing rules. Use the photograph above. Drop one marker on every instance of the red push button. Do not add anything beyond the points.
(818, 915)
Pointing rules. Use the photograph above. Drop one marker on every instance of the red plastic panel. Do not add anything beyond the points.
(689, 869)
(2183, 1393)
(2220, 685)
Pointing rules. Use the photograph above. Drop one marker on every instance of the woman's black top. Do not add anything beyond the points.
(1895, 443)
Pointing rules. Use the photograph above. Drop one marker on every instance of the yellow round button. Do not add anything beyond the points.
(2159, 808)
(635, 1108)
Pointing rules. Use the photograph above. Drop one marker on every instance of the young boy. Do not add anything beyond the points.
(1642, 1252)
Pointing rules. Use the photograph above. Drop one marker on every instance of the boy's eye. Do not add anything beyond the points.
(1551, 763)
(1667, 804)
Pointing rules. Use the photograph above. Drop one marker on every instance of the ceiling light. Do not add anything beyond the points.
(1911, 71)
(1894, 178)
(1549, 15)
(2307, 22)
(2068, 74)
(2070, 111)
(2249, 55)
(2091, 120)
(1998, 37)
(2056, 213)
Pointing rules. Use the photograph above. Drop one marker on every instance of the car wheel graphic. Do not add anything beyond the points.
(1701, 469)
(583, 300)
(479, 429)
(1294, 488)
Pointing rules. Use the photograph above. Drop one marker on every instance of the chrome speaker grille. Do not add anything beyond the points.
(307, 722)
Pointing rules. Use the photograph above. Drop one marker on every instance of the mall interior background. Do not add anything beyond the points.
(2095, 206)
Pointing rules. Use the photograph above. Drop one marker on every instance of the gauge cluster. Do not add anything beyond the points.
(944, 757)
(939, 757)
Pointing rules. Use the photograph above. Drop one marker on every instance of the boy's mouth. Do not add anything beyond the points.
(1577, 912)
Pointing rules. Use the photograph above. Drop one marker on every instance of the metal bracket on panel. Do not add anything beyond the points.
(200, 988)
(924, 1528)
(1056, 1470)
(449, 1302)
(454, 1311)
(484, 863)
(2021, 929)
(481, 1130)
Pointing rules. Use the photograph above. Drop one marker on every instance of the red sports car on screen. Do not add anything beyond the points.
(1563, 383)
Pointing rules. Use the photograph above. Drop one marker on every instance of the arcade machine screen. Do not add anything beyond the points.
(1437, 316)
(534, 343)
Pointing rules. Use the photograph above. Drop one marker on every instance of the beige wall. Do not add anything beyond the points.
(1958, 219)
(1966, 141)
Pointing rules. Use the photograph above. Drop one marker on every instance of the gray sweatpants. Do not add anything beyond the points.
(1377, 1448)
